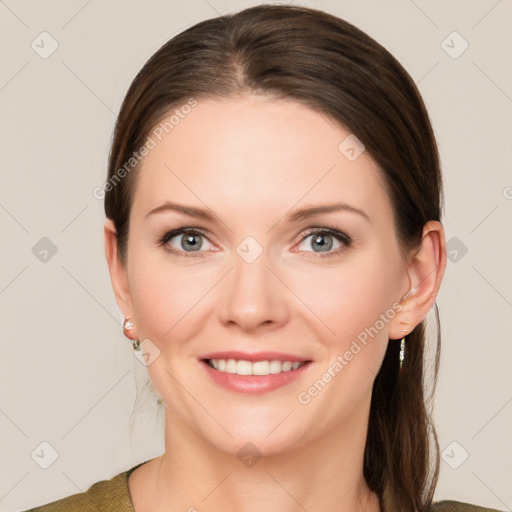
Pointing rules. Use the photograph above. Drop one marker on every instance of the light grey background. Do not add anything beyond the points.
(68, 374)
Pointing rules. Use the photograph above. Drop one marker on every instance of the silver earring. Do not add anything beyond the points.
(401, 357)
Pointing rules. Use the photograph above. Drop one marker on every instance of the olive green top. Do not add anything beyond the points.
(113, 496)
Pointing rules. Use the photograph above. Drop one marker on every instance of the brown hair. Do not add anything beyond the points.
(336, 69)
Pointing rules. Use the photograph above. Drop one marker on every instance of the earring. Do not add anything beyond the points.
(401, 357)
(128, 326)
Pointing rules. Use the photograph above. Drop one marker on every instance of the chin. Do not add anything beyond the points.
(254, 439)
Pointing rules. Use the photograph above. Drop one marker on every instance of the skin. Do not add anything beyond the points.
(251, 160)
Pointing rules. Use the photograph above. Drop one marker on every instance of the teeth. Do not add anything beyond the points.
(242, 367)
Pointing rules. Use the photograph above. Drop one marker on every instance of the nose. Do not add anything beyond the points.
(253, 296)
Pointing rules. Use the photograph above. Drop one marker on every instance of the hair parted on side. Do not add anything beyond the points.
(329, 65)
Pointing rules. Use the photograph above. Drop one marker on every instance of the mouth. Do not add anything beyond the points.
(254, 373)
(245, 367)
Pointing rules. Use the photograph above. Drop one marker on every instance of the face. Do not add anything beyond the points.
(274, 246)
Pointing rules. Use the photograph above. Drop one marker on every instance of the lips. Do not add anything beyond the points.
(254, 381)
(257, 356)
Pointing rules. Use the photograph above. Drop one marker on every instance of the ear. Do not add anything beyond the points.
(118, 273)
(425, 269)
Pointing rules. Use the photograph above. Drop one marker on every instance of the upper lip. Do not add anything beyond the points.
(256, 356)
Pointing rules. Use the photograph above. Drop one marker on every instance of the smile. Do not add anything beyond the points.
(243, 367)
(254, 377)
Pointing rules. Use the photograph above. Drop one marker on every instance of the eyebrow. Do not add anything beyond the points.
(293, 216)
(191, 211)
(312, 211)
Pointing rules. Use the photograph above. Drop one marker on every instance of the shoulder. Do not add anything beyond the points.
(457, 506)
(103, 496)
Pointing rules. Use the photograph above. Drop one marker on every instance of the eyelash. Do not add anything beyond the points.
(334, 232)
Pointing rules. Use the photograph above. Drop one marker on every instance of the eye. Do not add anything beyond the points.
(324, 242)
(186, 241)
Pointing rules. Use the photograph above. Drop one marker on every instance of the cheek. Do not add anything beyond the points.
(168, 299)
(349, 298)
(355, 303)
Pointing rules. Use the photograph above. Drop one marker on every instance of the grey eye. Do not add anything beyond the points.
(320, 242)
(323, 242)
(190, 241)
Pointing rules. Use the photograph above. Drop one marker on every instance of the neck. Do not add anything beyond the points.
(326, 474)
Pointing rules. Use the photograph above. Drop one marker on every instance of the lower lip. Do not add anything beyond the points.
(254, 384)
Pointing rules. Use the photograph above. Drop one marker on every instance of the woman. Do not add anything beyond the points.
(274, 241)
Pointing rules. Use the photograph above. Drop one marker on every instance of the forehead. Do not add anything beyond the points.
(255, 153)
